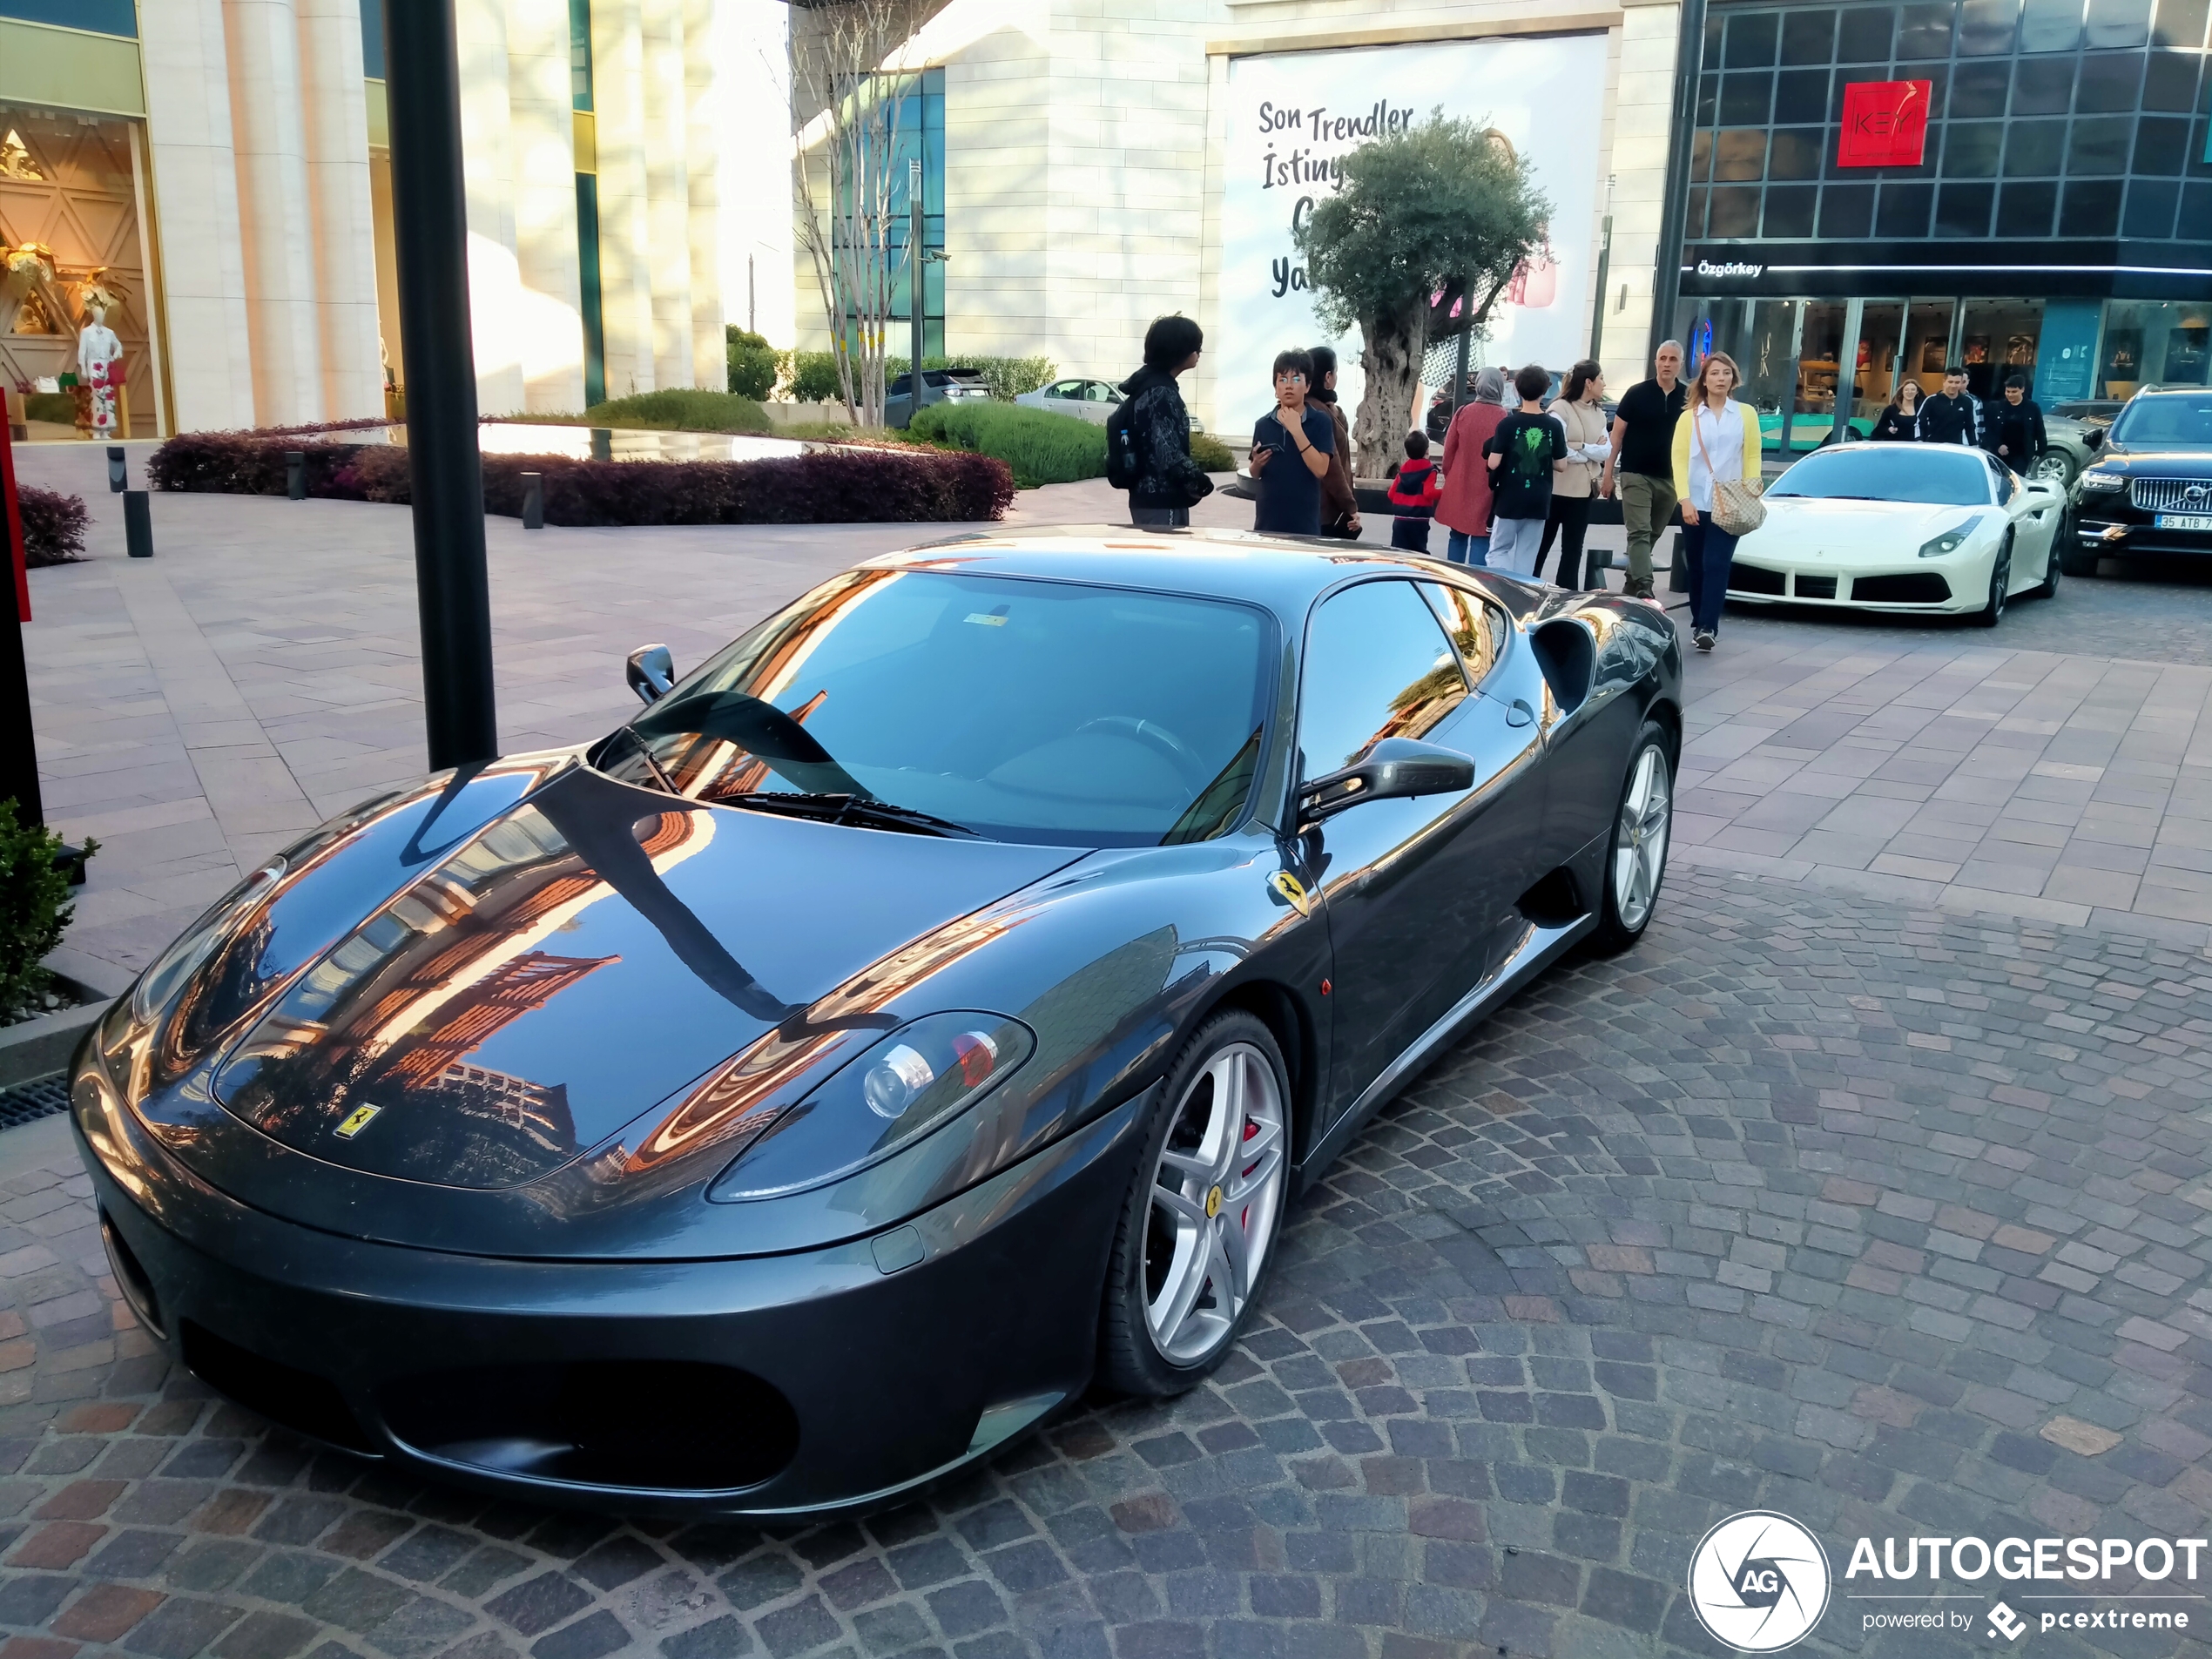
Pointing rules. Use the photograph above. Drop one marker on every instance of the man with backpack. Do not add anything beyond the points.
(1522, 454)
(1148, 436)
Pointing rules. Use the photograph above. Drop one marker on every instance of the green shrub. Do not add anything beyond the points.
(813, 374)
(681, 409)
(1211, 452)
(813, 377)
(34, 909)
(1042, 448)
(755, 366)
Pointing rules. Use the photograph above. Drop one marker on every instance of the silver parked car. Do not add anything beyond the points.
(1086, 400)
(938, 386)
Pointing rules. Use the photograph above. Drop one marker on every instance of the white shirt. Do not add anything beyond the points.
(1721, 431)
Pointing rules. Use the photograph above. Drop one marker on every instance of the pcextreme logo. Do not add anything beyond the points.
(1759, 1581)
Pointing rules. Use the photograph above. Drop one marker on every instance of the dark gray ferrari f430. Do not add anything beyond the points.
(924, 1011)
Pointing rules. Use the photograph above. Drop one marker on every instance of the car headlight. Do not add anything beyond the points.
(140, 1039)
(2104, 478)
(1952, 540)
(901, 1086)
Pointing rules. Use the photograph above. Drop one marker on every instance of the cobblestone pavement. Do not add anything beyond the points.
(1897, 1221)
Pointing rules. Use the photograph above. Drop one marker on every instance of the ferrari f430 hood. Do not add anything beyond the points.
(1797, 525)
(583, 957)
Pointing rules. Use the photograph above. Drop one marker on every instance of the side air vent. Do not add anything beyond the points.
(1554, 902)
(1568, 656)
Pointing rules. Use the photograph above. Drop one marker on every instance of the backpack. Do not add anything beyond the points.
(1121, 445)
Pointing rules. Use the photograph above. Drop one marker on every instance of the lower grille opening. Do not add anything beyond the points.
(292, 1398)
(1815, 587)
(1921, 588)
(1752, 578)
(132, 1279)
(662, 1425)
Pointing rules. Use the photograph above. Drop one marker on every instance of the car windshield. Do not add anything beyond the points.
(1900, 472)
(942, 702)
(2182, 422)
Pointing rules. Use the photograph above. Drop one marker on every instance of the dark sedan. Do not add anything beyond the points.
(922, 1011)
(2150, 489)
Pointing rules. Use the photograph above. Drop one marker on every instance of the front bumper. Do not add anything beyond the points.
(773, 1386)
(2115, 530)
(1944, 586)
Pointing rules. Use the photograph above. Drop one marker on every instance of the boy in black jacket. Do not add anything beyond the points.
(1168, 483)
(2015, 426)
(1951, 416)
(1528, 448)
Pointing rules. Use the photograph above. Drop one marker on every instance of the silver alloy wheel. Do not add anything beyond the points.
(2051, 467)
(1215, 1193)
(1640, 846)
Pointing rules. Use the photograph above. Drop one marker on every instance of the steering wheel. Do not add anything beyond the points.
(1155, 736)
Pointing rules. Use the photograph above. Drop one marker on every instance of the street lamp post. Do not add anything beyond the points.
(430, 230)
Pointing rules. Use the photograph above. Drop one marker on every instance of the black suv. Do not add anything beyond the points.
(2150, 490)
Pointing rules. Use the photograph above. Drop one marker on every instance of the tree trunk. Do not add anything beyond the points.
(1390, 357)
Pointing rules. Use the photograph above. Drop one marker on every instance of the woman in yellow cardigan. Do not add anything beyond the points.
(1716, 440)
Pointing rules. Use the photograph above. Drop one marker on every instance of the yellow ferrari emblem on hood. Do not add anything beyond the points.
(357, 1121)
(1292, 890)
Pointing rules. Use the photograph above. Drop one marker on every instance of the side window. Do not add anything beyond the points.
(1377, 665)
(1099, 392)
(1066, 388)
(2000, 476)
(1479, 629)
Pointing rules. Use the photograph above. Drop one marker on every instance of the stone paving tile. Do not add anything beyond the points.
(1891, 1219)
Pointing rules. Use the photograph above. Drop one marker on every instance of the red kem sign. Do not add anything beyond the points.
(1886, 124)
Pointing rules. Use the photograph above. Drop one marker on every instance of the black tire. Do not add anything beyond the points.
(2061, 539)
(1619, 926)
(1129, 1357)
(2077, 560)
(2000, 577)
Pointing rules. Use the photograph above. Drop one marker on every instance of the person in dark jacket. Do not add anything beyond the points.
(1951, 416)
(2014, 432)
(1340, 506)
(1168, 483)
(1415, 490)
(1900, 422)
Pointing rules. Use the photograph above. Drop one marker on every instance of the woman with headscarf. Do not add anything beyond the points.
(1464, 508)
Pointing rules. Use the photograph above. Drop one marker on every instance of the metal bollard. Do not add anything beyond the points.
(295, 475)
(533, 501)
(117, 476)
(1678, 575)
(137, 524)
(603, 443)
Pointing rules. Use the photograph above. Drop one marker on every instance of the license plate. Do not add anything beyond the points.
(2185, 521)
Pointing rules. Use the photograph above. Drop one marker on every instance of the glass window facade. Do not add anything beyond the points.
(921, 136)
(2072, 119)
(95, 17)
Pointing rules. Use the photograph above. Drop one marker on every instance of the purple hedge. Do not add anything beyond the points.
(53, 526)
(844, 485)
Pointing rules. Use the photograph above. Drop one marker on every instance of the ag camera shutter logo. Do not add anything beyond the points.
(1759, 1581)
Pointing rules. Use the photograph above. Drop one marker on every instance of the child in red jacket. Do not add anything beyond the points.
(1415, 488)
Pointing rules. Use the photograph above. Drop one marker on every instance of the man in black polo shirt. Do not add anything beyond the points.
(1643, 454)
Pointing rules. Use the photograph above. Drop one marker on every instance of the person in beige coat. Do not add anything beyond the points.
(1578, 409)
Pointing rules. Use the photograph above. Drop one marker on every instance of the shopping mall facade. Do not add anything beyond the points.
(222, 170)
(2021, 186)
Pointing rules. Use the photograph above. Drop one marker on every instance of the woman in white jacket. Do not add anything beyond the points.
(1716, 442)
(1575, 486)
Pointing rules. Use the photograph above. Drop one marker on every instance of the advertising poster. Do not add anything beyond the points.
(1294, 116)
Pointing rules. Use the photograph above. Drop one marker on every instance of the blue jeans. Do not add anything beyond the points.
(1462, 549)
(1708, 550)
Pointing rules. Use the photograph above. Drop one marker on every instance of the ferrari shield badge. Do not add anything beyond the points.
(357, 1121)
(1292, 890)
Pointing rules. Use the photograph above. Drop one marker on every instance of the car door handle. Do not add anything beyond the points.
(1520, 713)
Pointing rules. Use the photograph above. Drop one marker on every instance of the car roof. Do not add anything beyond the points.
(1284, 573)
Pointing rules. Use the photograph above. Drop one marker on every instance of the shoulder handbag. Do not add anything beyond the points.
(1736, 507)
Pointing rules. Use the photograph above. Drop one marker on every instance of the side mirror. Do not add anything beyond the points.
(651, 672)
(1395, 769)
(2095, 437)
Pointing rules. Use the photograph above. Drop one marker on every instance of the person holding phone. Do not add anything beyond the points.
(1291, 444)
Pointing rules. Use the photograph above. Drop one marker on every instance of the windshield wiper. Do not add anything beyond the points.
(835, 808)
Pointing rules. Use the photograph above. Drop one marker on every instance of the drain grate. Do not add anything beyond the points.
(28, 1103)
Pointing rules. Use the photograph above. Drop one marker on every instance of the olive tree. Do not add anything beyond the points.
(1428, 221)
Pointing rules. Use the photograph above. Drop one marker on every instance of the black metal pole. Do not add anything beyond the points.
(1666, 286)
(431, 231)
(18, 741)
(914, 295)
